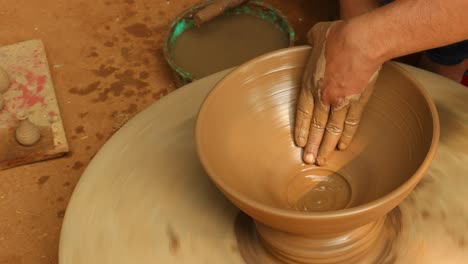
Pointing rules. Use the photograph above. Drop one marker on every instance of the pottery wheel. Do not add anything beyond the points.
(146, 199)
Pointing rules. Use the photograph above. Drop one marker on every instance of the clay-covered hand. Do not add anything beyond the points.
(337, 84)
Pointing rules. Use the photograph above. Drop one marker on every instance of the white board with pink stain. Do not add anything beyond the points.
(31, 91)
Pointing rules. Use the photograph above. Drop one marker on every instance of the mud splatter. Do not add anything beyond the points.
(93, 54)
(61, 213)
(42, 180)
(79, 129)
(77, 165)
(104, 70)
(131, 109)
(84, 91)
(129, 93)
(144, 75)
(125, 79)
(130, 13)
(139, 30)
(109, 44)
(125, 52)
(99, 136)
(83, 115)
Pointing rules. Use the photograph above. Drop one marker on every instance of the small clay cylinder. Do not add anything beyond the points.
(215, 9)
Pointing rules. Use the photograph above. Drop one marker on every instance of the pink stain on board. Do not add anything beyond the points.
(31, 97)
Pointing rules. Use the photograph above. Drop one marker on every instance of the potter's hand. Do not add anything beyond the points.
(337, 84)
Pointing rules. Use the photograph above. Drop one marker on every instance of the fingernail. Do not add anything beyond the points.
(321, 161)
(342, 146)
(309, 158)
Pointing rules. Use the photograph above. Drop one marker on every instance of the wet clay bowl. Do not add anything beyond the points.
(185, 21)
(304, 213)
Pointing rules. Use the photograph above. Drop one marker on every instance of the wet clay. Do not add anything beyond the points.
(245, 142)
(225, 42)
(215, 9)
(132, 193)
(319, 190)
(256, 249)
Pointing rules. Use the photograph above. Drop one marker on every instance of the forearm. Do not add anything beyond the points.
(408, 26)
(353, 8)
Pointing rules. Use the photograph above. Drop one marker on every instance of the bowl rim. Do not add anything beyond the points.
(407, 186)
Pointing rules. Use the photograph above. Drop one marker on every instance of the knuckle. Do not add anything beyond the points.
(311, 147)
(345, 135)
(317, 124)
(352, 122)
(305, 112)
(334, 129)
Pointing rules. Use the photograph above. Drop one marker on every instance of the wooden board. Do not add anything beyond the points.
(31, 91)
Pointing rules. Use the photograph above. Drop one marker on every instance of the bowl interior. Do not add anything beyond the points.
(245, 141)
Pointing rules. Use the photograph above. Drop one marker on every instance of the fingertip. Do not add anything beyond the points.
(309, 158)
(321, 161)
(300, 142)
(342, 146)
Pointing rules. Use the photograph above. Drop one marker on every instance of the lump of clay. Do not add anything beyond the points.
(27, 133)
(4, 81)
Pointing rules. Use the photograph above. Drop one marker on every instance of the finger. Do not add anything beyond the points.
(353, 118)
(317, 127)
(304, 111)
(305, 107)
(333, 132)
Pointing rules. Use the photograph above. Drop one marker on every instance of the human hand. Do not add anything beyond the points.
(337, 84)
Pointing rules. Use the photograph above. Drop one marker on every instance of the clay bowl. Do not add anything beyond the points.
(305, 213)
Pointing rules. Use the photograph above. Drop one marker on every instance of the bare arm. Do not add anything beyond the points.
(408, 26)
(353, 8)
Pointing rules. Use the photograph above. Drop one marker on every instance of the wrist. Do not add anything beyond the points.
(364, 37)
